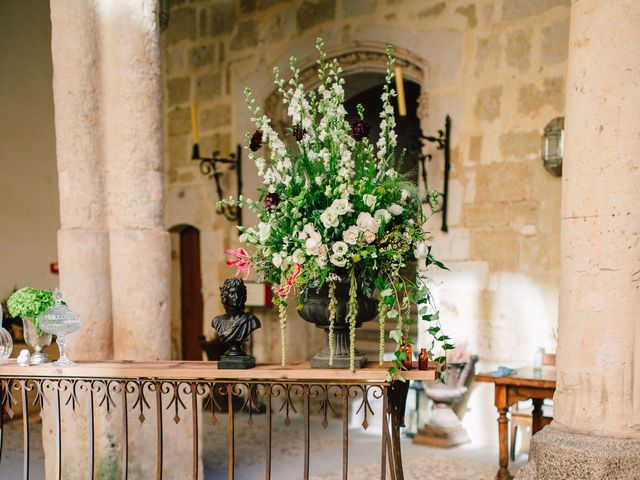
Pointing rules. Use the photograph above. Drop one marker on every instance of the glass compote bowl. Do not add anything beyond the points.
(60, 320)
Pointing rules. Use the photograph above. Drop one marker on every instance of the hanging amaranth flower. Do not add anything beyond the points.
(256, 141)
(271, 201)
(359, 130)
(298, 132)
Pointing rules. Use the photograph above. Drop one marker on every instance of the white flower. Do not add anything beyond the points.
(392, 313)
(338, 261)
(395, 209)
(276, 259)
(369, 200)
(264, 231)
(386, 292)
(367, 222)
(309, 229)
(340, 248)
(322, 252)
(341, 206)
(382, 215)
(312, 245)
(391, 173)
(368, 236)
(422, 250)
(405, 195)
(329, 218)
(298, 256)
(350, 235)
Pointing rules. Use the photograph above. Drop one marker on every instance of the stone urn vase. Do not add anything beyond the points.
(315, 309)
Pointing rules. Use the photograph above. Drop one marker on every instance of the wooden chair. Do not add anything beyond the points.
(523, 418)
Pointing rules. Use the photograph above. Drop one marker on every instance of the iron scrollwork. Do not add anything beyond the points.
(438, 200)
(209, 168)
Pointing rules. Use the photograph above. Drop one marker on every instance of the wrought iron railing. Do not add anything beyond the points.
(140, 391)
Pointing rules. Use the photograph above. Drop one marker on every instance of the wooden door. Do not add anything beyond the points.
(191, 293)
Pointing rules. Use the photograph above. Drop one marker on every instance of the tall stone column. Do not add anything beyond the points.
(596, 427)
(113, 251)
(139, 245)
(83, 238)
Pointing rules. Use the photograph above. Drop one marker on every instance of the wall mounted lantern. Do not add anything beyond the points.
(553, 146)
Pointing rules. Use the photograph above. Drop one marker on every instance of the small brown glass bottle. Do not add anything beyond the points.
(423, 359)
(407, 362)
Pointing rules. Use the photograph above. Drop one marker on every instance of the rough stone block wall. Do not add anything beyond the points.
(496, 66)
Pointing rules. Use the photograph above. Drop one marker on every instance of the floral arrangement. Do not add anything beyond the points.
(334, 206)
(30, 302)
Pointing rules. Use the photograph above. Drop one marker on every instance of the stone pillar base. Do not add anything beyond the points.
(555, 454)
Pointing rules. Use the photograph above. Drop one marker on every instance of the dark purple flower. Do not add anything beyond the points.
(298, 132)
(359, 130)
(256, 141)
(271, 201)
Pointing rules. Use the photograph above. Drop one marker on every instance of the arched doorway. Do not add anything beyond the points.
(188, 306)
(366, 89)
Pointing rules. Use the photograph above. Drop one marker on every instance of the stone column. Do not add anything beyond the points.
(83, 238)
(113, 251)
(596, 431)
(139, 245)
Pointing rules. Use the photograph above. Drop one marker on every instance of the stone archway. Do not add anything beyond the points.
(358, 59)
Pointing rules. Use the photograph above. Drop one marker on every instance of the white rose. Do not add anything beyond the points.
(369, 236)
(309, 229)
(277, 259)
(298, 256)
(367, 222)
(369, 200)
(264, 231)
(405, 195)
(395, 209)
(338, 261)
(322, 251)
(422, 250)
(340, 248)
(382, 215)
(350, 235)
(329, 218)
(341, 206)
(312, 245)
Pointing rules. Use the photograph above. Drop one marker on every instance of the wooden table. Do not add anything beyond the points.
(524, 385)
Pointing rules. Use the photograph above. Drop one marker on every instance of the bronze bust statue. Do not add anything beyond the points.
(235, 326)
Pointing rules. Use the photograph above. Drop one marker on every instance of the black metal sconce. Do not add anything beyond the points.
(209, 167)
(438, 203)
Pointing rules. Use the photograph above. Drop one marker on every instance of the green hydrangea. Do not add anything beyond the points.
(30, 302)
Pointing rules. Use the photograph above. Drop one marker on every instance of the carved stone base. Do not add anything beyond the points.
(443, 430)
(441, 437)
(559, 455)
(236, 362)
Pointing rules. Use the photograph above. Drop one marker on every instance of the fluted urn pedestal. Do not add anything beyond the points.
(315, 309)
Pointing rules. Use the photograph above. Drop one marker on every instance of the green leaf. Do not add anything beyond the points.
(396, 335)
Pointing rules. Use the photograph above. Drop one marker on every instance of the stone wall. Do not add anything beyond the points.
(497, 67)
